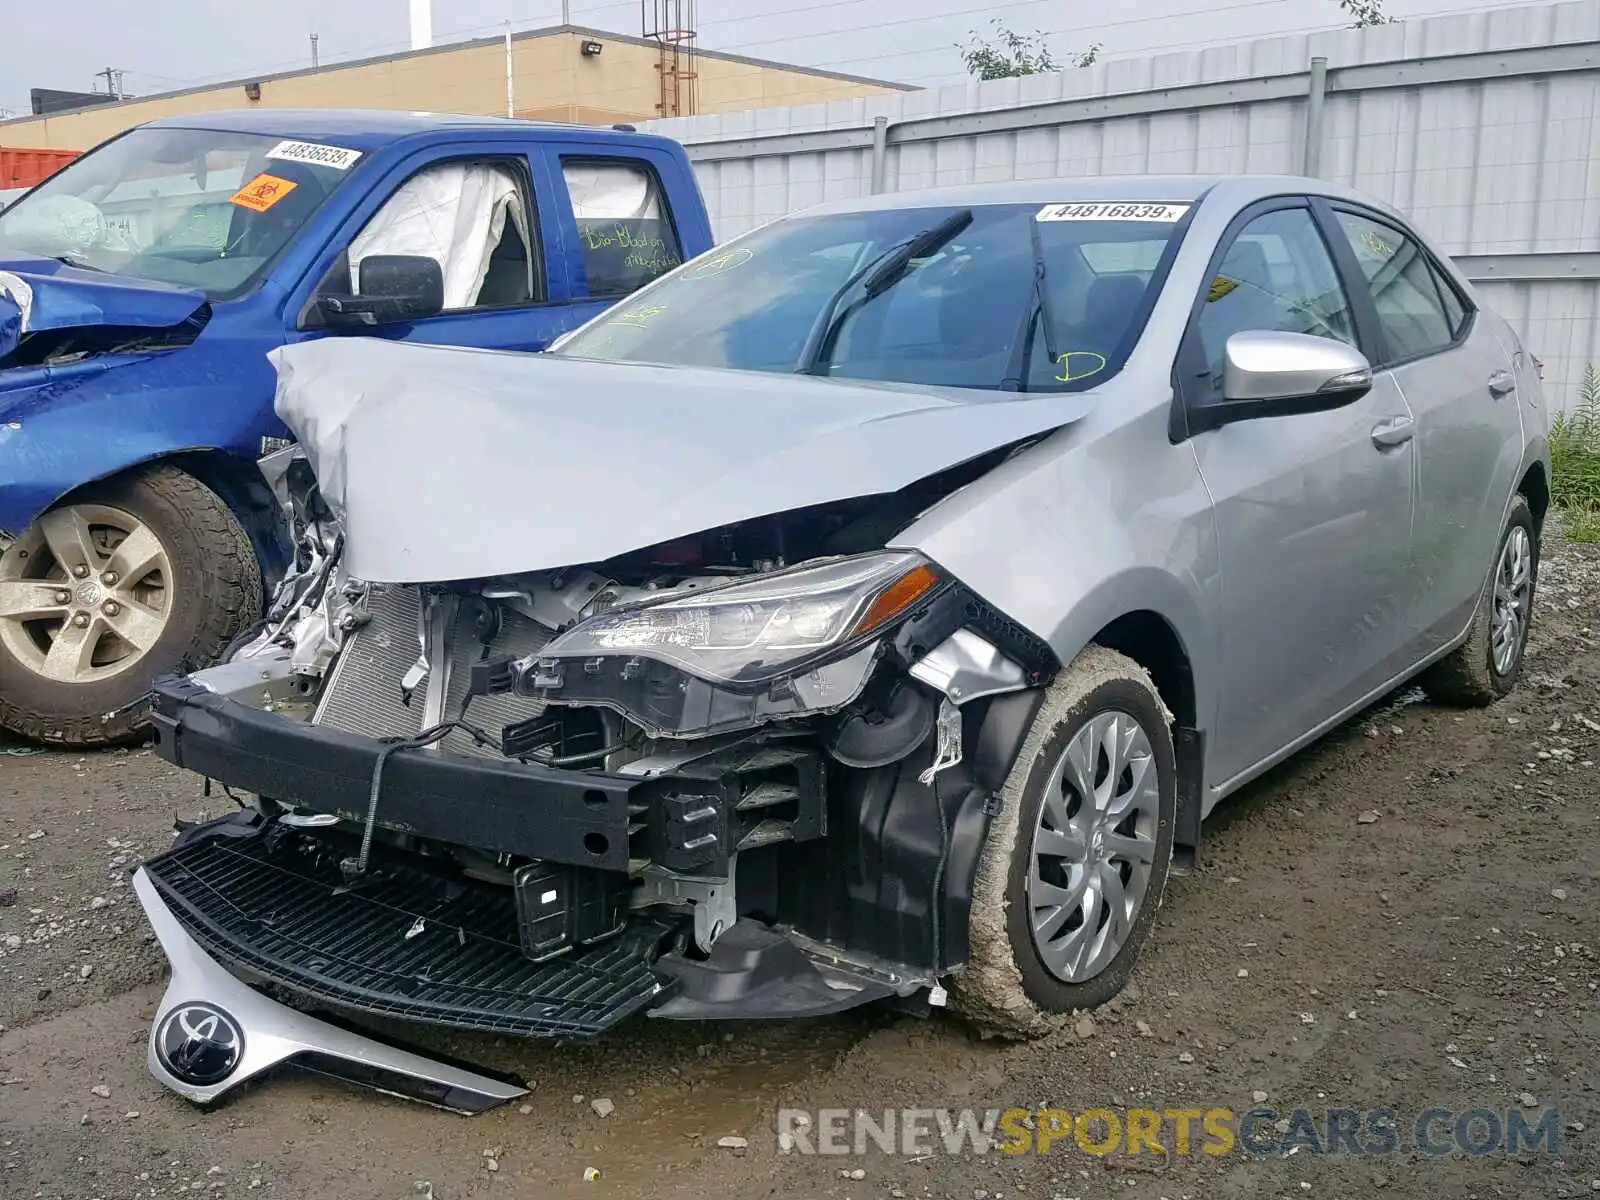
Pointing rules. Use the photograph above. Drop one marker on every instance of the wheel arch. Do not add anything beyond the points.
(1153, 641)
(1535, 487)
(234, 478)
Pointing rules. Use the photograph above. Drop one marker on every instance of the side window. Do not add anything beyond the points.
(626, 231)
(472, 218)
(1278, 275)
(1404, 289)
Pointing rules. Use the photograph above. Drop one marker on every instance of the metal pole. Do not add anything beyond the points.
(1314, 114)
(313, 52)
(566, 12)
(421, 24)
(880, 152)
(511, 86)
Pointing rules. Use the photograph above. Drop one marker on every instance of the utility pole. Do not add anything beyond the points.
(511, 85)
(566, 12)
(313, 52)
(113, 78)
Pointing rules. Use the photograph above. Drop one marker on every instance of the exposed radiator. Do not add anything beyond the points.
(362, 694)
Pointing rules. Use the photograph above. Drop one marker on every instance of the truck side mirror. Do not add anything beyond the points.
(394, 287)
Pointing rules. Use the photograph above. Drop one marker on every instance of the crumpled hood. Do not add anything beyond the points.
(42, 294)
(446, 463)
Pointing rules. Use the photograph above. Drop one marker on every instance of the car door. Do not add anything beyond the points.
(1458, 381)
(1313, 511)
(613, 228)
(479, 216)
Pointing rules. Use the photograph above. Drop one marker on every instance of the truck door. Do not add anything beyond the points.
(613, 228)
(479, 216)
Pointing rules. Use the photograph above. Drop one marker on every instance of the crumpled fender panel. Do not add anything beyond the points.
(447, 463)
(64, 426)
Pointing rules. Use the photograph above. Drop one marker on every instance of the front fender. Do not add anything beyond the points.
(1088, 526)
(63, 427)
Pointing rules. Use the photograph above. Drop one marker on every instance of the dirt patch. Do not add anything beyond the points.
(1439, 954)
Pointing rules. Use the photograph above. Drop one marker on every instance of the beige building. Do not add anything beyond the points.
(566, 73)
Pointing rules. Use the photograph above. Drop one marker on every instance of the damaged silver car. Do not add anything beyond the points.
(869, 610)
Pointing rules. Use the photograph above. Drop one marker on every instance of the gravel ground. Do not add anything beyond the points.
(1402, 917)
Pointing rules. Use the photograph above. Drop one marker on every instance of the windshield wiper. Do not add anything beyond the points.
(875, 278)
(1016, 377)
(79, 264)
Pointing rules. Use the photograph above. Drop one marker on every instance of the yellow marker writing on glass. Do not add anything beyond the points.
(715, 264)
(1079, 364)
(640, 317)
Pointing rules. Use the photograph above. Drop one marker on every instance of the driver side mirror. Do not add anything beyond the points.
(1272, 374)
(394, 287)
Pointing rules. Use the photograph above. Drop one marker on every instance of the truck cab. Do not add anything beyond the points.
(141, 288)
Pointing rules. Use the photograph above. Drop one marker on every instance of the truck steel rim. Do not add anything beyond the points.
(1093, 848)
(1513, 583)
(84, 594)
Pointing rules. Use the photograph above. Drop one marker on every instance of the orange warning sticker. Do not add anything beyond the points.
(262, 192)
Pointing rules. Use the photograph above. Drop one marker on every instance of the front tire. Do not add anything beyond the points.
(1486, 666)
(1075, 864)
(133, 577)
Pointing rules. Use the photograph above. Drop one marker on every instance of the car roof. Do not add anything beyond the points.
(1237, 190)
(369, 129)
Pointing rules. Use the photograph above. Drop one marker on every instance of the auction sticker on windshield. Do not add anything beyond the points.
(316, 154)
(1120, 210)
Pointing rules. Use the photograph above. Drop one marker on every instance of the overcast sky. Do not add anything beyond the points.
(167, 44)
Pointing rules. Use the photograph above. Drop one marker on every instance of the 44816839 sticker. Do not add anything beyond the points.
(1113, 210)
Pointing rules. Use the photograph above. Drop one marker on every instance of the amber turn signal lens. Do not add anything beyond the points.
(896, 598)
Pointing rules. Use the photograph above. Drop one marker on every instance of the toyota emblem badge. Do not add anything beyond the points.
(199, 1043)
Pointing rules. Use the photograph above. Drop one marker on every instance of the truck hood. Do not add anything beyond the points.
(40, 294)
(446, 463)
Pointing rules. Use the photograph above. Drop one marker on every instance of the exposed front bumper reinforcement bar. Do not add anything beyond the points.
(212, 1033)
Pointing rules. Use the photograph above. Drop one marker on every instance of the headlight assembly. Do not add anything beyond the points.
(783, 643)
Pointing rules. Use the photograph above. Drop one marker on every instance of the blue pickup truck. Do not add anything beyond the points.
(140, 289)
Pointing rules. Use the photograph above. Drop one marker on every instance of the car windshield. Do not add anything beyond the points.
(965, 314)
(190, 207)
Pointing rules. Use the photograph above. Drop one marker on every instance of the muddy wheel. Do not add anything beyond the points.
(139, 575)
(1485, 667)
(1076, 861)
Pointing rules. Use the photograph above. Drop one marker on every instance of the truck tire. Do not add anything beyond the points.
(132, 577)
(1485, 667)
(1096, 782)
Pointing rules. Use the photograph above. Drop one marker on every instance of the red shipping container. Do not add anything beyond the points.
(24, 168)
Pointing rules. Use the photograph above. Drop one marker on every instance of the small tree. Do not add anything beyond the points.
(1011, 54)
(1366, 12)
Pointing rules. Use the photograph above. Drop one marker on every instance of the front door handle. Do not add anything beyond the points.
(1392, 432)
(1501, 382)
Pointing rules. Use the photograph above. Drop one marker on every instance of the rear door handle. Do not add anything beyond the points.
(1392, 432)
(1501, 382)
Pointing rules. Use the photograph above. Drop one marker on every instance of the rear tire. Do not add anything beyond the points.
(1487, 665)
(193, 582)
(1053, 933)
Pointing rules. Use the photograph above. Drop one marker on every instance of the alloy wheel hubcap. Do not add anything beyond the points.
(1093, 847)
(1513, 587)
(84, 594)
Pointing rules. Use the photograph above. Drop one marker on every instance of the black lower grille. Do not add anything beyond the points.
(274, 907)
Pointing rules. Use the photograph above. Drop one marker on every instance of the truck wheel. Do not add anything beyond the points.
(146, 573)
(1075, 863)
(1485, 666)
